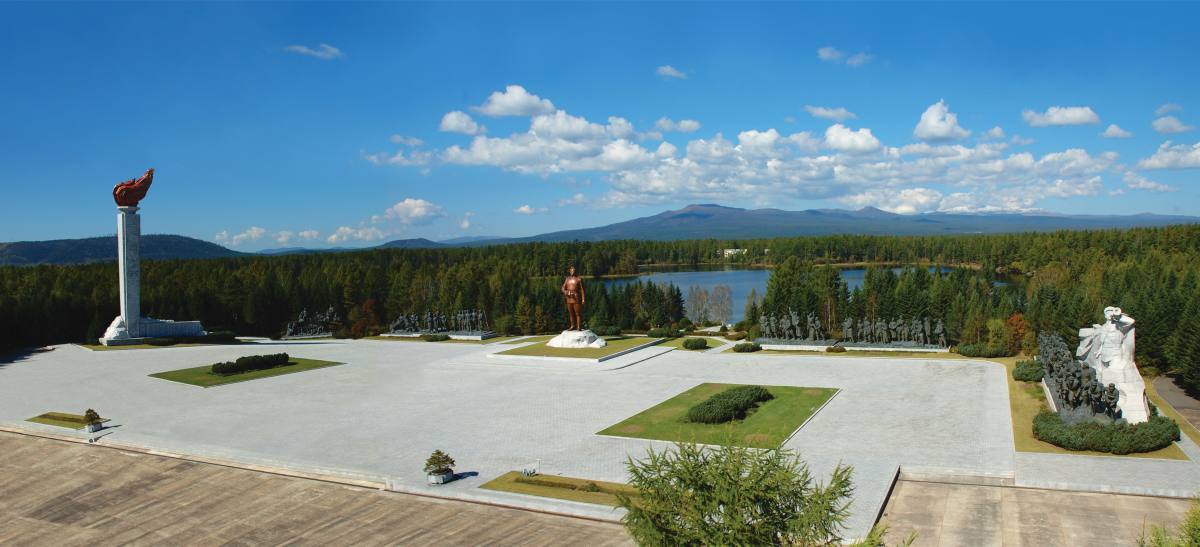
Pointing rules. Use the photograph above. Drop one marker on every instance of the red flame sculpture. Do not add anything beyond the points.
(130, 192)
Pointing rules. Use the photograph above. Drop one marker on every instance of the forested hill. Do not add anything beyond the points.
(103, 249)
(719, 222)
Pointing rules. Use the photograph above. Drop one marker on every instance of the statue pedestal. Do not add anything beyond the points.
(577, 339)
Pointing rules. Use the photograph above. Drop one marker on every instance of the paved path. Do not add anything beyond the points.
(955, 515)
(1188, 406)
(60, 493)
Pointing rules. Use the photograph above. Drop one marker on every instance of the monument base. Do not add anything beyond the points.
(120, 334)
(577, 339)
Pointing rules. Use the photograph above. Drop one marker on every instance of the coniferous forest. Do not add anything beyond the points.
(996, 291)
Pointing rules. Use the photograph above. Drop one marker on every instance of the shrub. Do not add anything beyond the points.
(607, 330)
(91, 417)
(755, 332)
(435, 337)
(1115, 438)
(835, 349)
(249, 363)
(695, 343)
(723, 329)
(981, 350)
(439, 463)
(1150, 373)
(735, 336)
(590, 487)
(1028, 371)
(1187, 535)
(505, 325)
(747, 347)
(731, 404)
(662, 333)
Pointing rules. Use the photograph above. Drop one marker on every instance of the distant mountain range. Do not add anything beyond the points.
(704, 221)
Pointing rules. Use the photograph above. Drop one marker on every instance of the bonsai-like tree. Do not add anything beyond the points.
(92, 417)
(693, 495)
(439, 463)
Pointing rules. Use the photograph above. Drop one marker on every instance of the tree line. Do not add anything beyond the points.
(996, 290)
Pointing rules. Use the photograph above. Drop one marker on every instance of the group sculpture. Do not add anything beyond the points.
(431, 322)
(898, 331)
(1101, 379)
(311, 325)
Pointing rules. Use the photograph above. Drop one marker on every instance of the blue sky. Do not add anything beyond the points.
(315, 125)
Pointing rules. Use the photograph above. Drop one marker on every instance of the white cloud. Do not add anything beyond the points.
(842, 138)
(906, 201)
(283, 237)
(838, 114)
(1169, 125)
(529, 210)
(457, 121)
(1168, 156)
(996, 133)
(1169, 107)
(309, 235)
(253, 233)
(414, 211)
(1021, 141)
(1114, 131)
(938, 123)
(859, 59)
(465, 222)
(406, 141)
(514, 101)
(577, 199)
(345, 233)
(412, 158)
(324, 52)
(1139, 182)
(666, 124)
(668, 71)
(1061, 115)
(829, 53)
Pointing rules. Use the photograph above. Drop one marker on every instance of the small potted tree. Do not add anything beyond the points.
(93, 421)
(439, 467)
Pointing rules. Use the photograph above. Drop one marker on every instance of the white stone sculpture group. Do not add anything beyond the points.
(1108, 349)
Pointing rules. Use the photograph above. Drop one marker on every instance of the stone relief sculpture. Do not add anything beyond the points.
(1108, 349)
(900, 331)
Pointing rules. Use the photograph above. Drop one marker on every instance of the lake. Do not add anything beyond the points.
(740, 282)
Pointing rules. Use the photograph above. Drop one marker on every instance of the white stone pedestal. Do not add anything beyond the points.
(577, 339)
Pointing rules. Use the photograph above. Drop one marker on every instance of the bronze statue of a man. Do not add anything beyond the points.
(572, 289)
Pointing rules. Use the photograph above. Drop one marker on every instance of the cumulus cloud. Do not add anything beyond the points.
(530, 210)
(1168, 156)
(412, 158)
(1170, 124)
(457, 121)
(406, 141)
(1169, 107)
(1113, 131)
(666, 124)
(577, 199)
(346, 234)
(829, 53)
(1021, 141)
(668, 71)
(465, 221)
(906, 201)
(283, 237)
(842, 138)
(324, 52)
(995, 133)
(938, 123)
(1139, 182)
(859, 59)
(253, 233)
(309, 235)
(1061, 115)
(414, 211)
(514, 101)
(832, 54)
(838, 114)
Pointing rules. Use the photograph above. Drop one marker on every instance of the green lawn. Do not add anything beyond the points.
(563, 488)
(60, 419)
(203, 376)
(767, 427)
(615, 344)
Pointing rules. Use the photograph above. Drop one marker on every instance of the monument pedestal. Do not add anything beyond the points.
(577, 339)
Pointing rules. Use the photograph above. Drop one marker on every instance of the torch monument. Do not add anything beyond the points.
(130, 327)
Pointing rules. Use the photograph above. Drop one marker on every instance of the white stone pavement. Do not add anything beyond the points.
(382, 413)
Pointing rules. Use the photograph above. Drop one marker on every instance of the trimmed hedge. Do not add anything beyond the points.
(747, 347)
(695, 343)
(835, 349)
(435, 337)
(735, 336)
(726, 406)
(249, 363)
(981, 350)
(1115, 438)
(662, 333)
(1028, 371)
(607, 330)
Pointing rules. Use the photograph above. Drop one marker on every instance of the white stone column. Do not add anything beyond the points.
(129, 266)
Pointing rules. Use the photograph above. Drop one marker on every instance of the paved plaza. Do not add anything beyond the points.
(379, 416)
